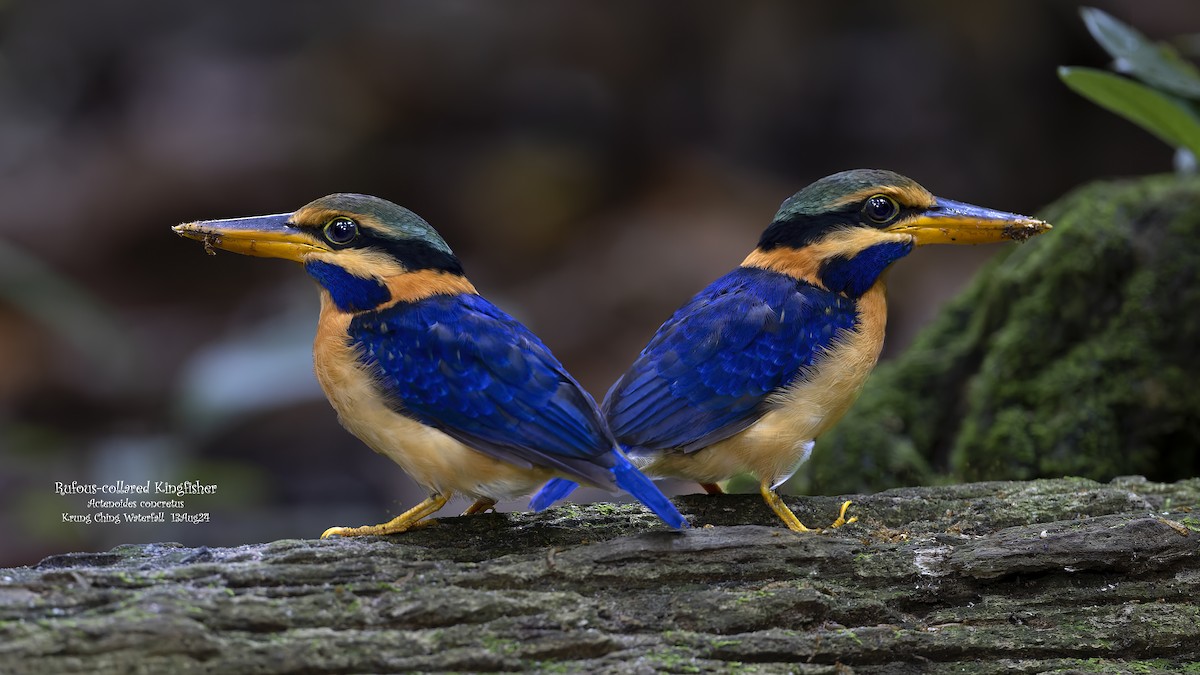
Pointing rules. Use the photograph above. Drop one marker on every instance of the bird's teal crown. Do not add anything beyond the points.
(350, 223)
(390, 219)
(381, 221)
(840, 201)
(351, 243)
(831, 192)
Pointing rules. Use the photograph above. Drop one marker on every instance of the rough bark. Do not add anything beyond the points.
(991, 577)
(1074, 354)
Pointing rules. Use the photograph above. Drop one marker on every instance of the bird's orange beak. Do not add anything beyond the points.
(951, 222)
(264, 236)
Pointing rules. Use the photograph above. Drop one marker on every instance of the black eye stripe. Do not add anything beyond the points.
(345, 234)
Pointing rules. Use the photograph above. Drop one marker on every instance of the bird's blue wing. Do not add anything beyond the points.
(707, 373)
(461, 365)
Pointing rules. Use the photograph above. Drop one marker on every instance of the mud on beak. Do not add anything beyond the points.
(264, 236)
(951, 222)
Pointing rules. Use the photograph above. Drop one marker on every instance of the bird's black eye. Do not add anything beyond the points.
(880, 209)
(341, 230)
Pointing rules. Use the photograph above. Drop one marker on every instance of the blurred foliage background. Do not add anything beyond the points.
(592, 164)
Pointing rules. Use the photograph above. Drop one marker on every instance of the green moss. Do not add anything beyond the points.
(554, 667)
(850, 634)
(717, 644)
(753, 596)
(570, 510)
(1102, 665)
(1071, 354)
(500, 646)
(604, 508)
(676, 660)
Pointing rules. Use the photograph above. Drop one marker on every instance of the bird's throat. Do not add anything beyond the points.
(849, 262)
(349, 292)
(853, 275)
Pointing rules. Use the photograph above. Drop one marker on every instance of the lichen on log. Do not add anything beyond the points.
(989, 577)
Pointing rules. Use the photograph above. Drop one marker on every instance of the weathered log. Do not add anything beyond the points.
(989, 577)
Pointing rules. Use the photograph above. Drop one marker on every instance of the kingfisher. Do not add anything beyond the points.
(424, 370)
(747, 375)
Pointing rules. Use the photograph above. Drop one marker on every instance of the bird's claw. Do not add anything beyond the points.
(410, 519)
(841, 519)
(337, 531)
(793, 523)
(481, 505)
(375, 530)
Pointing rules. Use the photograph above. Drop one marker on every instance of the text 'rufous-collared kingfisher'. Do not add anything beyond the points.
(751, 371)
(424, 370)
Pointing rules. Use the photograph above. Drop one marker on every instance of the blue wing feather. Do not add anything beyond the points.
(461, 365)
(706, 374)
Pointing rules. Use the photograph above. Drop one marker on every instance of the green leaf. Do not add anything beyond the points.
(1159, 65)
(1163, 115)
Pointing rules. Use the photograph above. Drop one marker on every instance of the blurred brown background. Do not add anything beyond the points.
(593, 164)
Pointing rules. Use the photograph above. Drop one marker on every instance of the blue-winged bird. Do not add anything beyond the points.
(424, 370)
(749, 373)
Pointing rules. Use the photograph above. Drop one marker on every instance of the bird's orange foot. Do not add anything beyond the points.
(793, 523)
(409, 520)
(785, 514)
(841, 519)
(481, 505)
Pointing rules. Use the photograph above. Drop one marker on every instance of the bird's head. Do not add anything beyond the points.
(843, 231)
(354, 245)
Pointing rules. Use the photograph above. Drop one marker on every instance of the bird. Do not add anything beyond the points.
(747, 375)
(424, 370)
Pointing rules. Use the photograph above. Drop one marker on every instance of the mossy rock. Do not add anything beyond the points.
(1074, 354)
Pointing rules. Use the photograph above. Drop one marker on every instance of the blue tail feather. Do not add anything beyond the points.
(554, 490)
(635, 483)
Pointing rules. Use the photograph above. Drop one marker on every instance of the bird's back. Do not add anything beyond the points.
(713, 368)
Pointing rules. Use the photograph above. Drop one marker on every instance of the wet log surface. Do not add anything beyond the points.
(992, 577)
